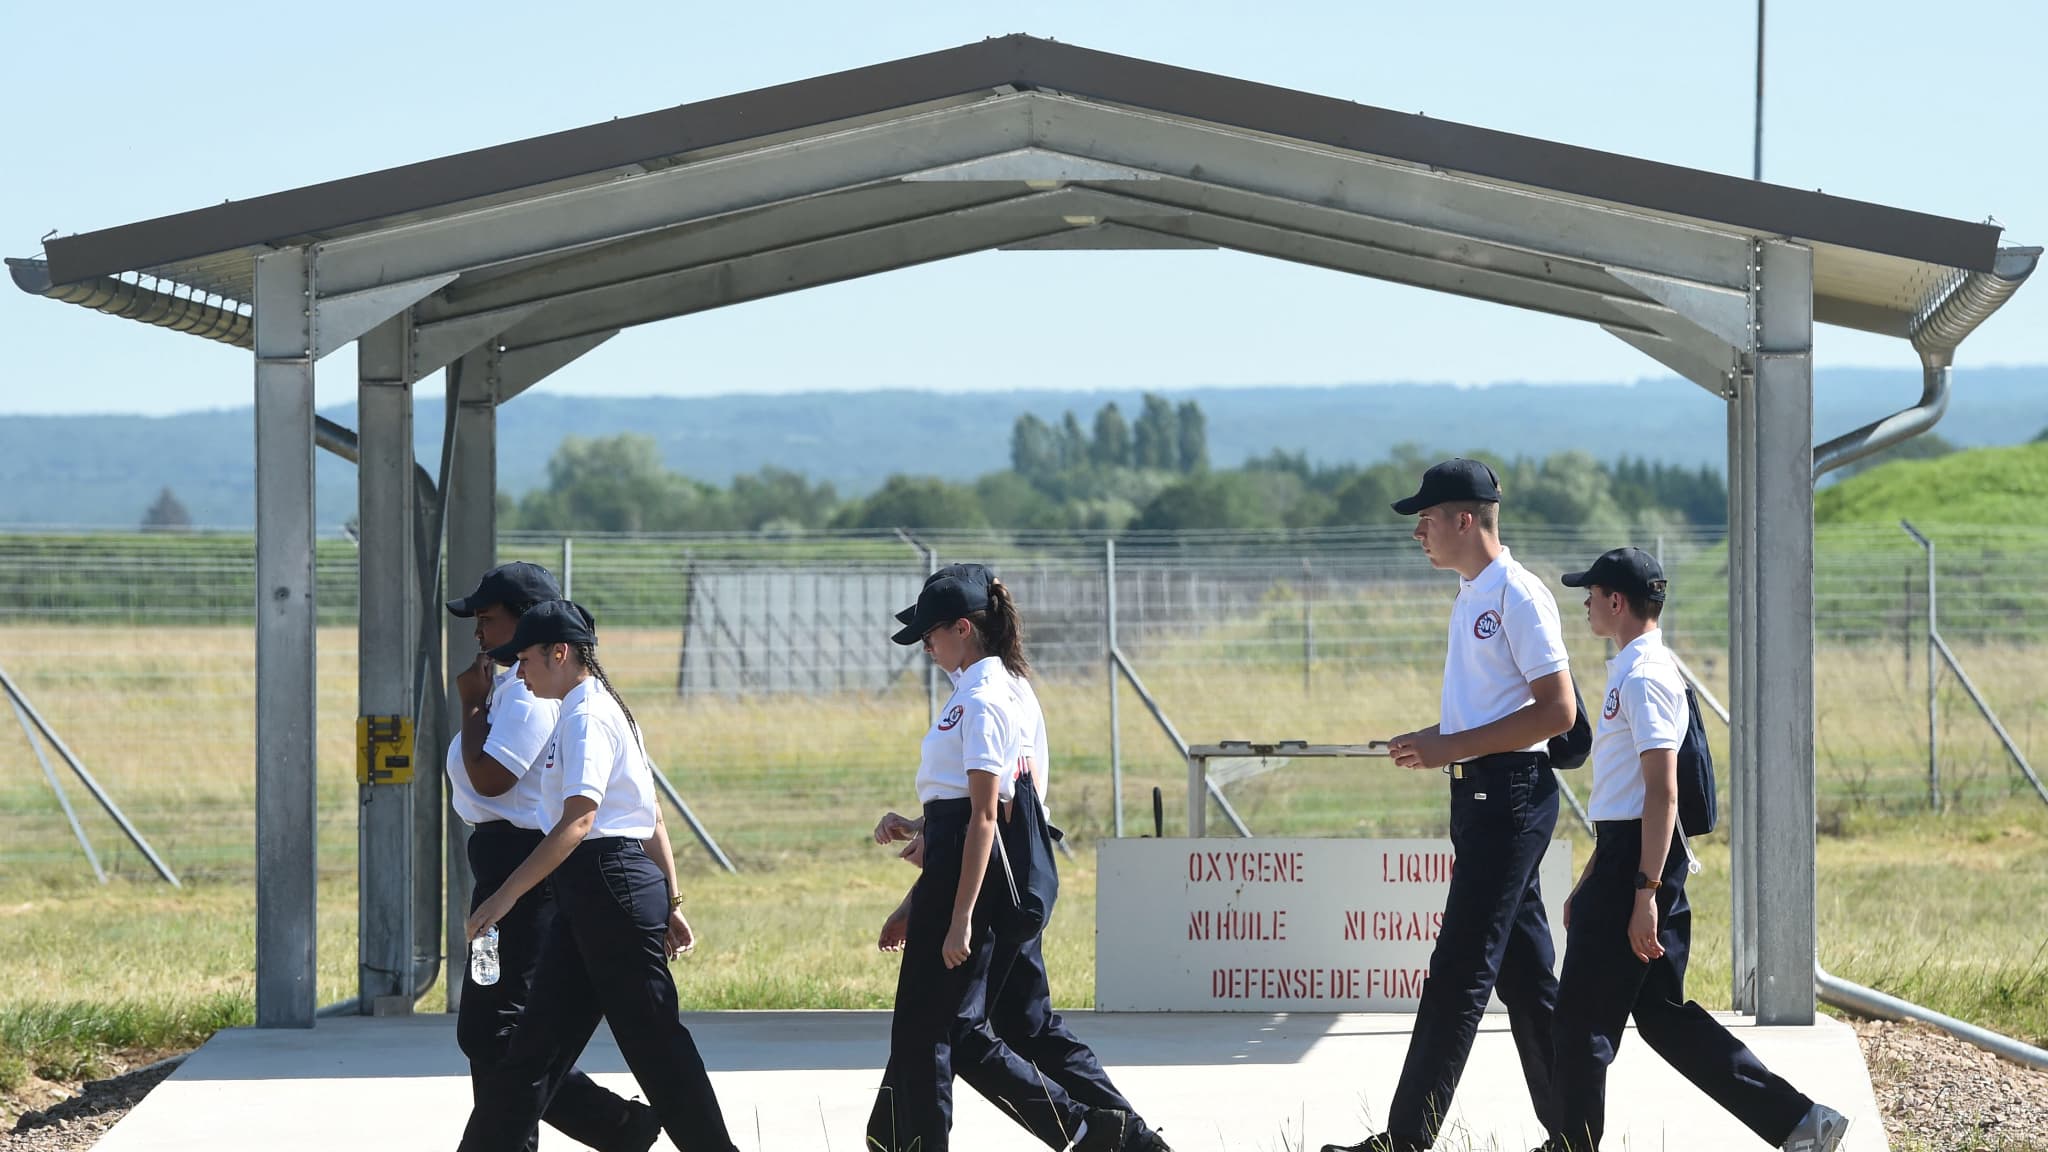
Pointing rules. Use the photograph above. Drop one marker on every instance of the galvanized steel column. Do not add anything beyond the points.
(1742, 764)
(286, 866)
(386, 646)
(471, 531)
(1783, 692)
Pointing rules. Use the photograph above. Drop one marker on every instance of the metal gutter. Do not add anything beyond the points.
(1935, 333)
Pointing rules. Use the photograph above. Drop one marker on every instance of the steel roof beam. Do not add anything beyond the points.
(1440, 201)
(799, 266)
(703, 242)
(637, 204)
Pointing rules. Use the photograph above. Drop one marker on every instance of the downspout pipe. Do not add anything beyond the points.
(1935, 333)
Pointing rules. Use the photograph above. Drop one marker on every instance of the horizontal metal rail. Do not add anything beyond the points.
(1869, 1002)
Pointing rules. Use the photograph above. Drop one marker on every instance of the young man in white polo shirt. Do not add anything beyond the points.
(1627, 924)
(1507, 690)
(504, 729)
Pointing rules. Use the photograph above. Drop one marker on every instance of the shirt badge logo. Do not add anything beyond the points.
(1613, 704)
(951, 718)
(1487, 626)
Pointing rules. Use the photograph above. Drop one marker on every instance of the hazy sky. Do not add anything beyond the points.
(127, 113)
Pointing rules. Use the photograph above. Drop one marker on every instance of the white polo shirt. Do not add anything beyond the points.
(1643, 709)
(520, 725)
(594, 752)
(1504, 634)
(1041, 745)
(987, 725)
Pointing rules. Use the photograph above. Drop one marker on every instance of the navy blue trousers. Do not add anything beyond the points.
(580, 1110)
(941, 1025)
(1495, 937)
(605, 959)
(1022, 1016)
(1604, 984)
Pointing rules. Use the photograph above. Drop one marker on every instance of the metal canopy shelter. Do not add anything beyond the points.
(504, 264)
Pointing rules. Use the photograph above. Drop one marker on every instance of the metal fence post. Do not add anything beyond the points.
(1308, 628)
(1116, 751)
(1933, 721)
(568, 568)
(1933, 690)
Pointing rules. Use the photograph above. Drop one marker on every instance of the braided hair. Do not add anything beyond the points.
(1002, 629)
(586, 654)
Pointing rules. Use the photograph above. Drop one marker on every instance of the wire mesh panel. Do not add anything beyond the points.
(762, 669)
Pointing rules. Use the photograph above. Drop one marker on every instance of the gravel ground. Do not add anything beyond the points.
(86, 1111)
(1938, 1095)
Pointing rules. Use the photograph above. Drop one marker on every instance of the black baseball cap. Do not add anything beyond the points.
(548, 622)
(511, 585)
(1456, 479)
(954, 592)
(1629, 571)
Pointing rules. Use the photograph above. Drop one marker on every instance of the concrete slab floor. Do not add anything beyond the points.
(804, 1081)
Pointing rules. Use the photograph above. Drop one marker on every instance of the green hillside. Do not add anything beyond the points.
(1982, 486)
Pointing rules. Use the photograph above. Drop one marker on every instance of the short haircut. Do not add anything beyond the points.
(1486, 512)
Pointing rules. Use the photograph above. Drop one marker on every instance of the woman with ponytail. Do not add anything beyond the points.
(619, 918)
(971, 997)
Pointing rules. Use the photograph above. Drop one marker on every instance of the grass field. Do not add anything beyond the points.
(1938, 909)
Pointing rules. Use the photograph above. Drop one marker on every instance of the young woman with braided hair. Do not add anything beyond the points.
(495, 790)
(971, 998)
(606, 854)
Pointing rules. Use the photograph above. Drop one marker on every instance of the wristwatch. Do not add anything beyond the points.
(675, 902)
(1646, 884)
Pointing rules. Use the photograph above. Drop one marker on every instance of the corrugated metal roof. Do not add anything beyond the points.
(1875, 267)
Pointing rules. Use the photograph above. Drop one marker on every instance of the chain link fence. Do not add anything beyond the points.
(762, 670)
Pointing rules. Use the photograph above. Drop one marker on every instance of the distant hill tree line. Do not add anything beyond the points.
(1111, 474)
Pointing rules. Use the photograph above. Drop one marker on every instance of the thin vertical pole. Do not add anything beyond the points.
(1757, 160)
(568, 568)
(1308, 628)
(931, 668)
(1933, 730)
(1906, 625)
(1116, 748)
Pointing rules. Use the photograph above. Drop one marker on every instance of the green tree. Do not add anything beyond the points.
(919, 503)
(166, 514)
(1008, 500)
(779, 496)
(2042, 437)
(1111, 447)
(1368, 496)
(1193, 454)
(616, 484)
(1155, 438)
(1034, 448)
(1210, 500)
(1568, 489)
(1073, 444)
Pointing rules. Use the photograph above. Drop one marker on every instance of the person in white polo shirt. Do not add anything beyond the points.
(1019, 996)
(967, 909)
(1507, 691)
(605, 852)
(492, 788)
(1628, 927)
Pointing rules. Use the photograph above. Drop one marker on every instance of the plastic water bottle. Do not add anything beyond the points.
(483, 957)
